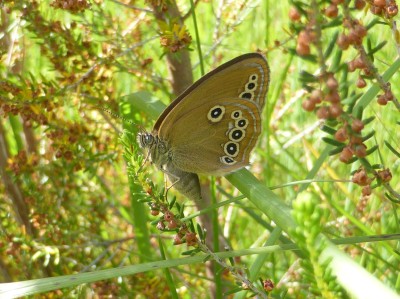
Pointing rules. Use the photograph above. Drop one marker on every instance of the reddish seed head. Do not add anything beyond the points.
(389, 95)
(294, 14)
(341, 135)
(382, 100)
(177, 240)
(367, 72)
(359, 4)
(168, 216)
(160, 225)
(366, 190)
(351, 66)
(316, 96)
(191, 239)
(191, 243)
(355, 140)
(360, 30)
(385, 175)
(323, 112)
(360, 151)
(190, 236)
(146, 62)
(347, 23)
(268, 285)
(172, 224)
(357, 125)
(308, 105)
(154, 212)
(392, 10)
(361, 178)
(343, 42)
(332, 83)
(346, 155)
(59, 154)
(331, 11)
(313, 36)
(361, 82)
(359, 63)
(68, 155)
(353, 37)
(335, 110)
(333, 97)
(379, 3)
(303, 49)
(376, 10)
(304, 38)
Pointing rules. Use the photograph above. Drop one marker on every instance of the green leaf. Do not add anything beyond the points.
(392, 149)
(333, 142)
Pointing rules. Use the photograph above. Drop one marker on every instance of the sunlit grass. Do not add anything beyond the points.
(79, 211)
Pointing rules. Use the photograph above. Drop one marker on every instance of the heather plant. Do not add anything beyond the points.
(83, 212)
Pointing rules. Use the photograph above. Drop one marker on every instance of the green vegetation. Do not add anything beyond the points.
(84, 214)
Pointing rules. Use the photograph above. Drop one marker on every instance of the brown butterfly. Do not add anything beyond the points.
(213, 126)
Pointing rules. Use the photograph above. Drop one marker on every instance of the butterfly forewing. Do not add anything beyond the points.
(246, 76)
(213, 126)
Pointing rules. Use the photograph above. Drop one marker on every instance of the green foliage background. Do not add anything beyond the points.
(66, 202)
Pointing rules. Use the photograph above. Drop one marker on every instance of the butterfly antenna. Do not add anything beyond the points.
(116, 115)
(141, 128)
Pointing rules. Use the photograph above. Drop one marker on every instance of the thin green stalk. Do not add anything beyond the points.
(217, 267)
(196, 31)
(167, 273)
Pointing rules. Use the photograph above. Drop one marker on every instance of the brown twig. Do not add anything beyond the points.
(12, 187)
(318, 34)
(179, 65)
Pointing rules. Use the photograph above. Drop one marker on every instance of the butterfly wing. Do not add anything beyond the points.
(231, 79)
(223, 133)
(213, 126)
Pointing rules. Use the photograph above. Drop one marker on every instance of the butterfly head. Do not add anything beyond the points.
(158, 149)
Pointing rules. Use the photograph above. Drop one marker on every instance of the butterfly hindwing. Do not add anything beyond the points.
(246, 77)
(221, 139)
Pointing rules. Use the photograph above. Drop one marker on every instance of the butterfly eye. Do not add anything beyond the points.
(227, 160)
(145, 139)
(216, 113)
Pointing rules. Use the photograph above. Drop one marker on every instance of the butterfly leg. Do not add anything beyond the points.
(173, 179)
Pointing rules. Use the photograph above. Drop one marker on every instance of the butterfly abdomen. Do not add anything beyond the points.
(186, 183)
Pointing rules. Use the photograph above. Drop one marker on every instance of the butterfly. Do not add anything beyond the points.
(212, 127)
